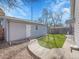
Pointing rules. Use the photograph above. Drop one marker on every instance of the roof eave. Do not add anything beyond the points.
(14, 19)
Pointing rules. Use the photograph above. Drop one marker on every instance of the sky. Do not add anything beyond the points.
(25, 12)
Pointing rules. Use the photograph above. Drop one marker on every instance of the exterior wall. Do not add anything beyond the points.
(42, 30)
(76, 25)
(4, 24)
(6, 31)
(72, 8)
(17, 31)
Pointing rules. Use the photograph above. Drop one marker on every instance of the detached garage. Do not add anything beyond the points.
(18, 29)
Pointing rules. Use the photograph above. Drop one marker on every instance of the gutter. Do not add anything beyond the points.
(74, 11)
(74, 21)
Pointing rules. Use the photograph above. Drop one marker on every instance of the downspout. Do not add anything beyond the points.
(73, 17)
(10, 43)
(7, 30)
(4, 26)
(74, 21)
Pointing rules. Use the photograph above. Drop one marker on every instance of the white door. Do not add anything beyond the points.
(28, 30)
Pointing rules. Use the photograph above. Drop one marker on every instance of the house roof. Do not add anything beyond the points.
(14, 19)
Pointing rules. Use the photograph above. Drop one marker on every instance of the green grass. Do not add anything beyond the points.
(51, 42)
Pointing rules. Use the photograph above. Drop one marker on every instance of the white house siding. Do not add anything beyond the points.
(76, 31)
(17, 31)
(42, 30)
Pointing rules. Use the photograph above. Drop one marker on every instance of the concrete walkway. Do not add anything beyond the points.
(19, 51)
(68, 43)
(55, 53)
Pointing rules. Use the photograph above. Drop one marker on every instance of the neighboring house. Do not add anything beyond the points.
(70, 25)
(18, 29)
(58, 30)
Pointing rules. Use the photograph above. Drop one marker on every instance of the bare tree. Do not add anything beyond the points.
(30, 3)
(40, 20)
(51, 19)
(10, 3)
(16, 4)
(56, 19)
(45, 18)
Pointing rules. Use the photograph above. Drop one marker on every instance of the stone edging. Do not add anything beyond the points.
(47, 53)
(32, 54)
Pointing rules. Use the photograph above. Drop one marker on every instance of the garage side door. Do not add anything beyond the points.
(17, 31)
(28, 30)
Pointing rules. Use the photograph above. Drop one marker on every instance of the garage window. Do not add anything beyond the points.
(36, 27)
